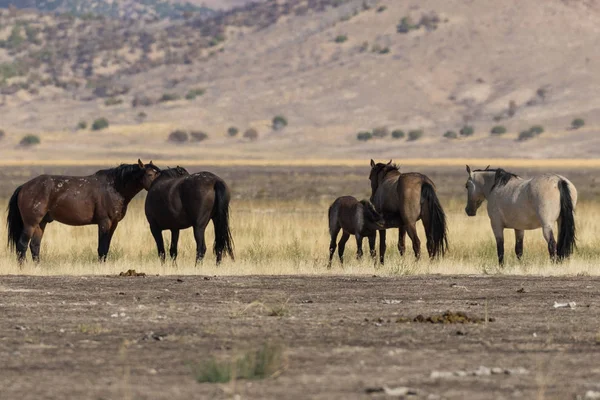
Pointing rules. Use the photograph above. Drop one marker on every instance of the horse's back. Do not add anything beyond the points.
(343, 212)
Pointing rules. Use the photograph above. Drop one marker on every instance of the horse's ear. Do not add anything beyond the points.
(488, 167)
(372, 163)
(150, 162)
(469, 170)
(390, 162)
(140, 163)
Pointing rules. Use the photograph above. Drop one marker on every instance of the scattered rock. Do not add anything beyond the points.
(307, 301)
(20, 328)
(521, 290)
(481, 371)
(179, 280)
(460, 333)
(392, 301)
(154, 336)
(399, 391)
(132, 272)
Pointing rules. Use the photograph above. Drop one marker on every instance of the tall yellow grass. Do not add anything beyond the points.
(292, 238)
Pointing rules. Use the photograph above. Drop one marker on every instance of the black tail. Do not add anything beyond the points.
(14, 221)
(220, 217)
(566, 222)
(437, 231)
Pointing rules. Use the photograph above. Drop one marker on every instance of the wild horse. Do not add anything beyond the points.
(403, 199)
(353, 217)
(177, 200)
(99, 199)
(525, 204)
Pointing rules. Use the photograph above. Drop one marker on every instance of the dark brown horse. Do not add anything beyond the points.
(177, 200)
(403, 199)
(353, 217)
(100, 199)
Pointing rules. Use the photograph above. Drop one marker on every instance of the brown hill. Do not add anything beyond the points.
(332, 68)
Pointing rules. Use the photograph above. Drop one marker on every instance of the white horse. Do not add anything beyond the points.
(525, 204)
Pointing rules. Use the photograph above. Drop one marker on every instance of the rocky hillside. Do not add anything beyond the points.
(333, 69)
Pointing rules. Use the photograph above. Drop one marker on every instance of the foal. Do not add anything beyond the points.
(353, 217)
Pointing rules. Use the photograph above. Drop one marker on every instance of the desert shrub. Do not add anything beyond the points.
(450, 135)
(113, 101)
(168, 97)
(429, 21)
(340, 38)
(81, 125)
(467, 130)
(364, 47)
(251, 134)
(537, 129)
(512, 108)
(178, 136)
(381, 9)
(577, 123)
(232, 131)
(198, 136)
(279, 122)
(381, 132)
(364, 136)
(29, 140)
(192, 94)
(526, 135)
(141, 101)
(141, 116)
(99, 124)
(398, 134)
(498, 130)
(264, 362)
(384, 50)
(406, 25)
(415, 135)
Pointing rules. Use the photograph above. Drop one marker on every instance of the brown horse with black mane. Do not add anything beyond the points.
(177, 200)
(99, 199)
(403, 199)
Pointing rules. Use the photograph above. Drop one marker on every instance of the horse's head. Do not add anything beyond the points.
(475, 192)
(378, 173)
(151, 172)
(371, 216)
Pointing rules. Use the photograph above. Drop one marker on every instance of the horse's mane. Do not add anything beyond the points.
(501, 177)
(388, 167)
(125, 173)
(173, 172)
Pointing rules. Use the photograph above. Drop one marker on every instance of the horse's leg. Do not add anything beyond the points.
(519, 235)
(106, 229)
(372, 251)
(332, 245)
(402, 240)
(23, 243)
(174, 241)
(498, 230)
(36, 241)
(381, 246)
(342, 246)
(359, 252)
(200, 243)
(160, 243)
(411, 229)
(549, 236)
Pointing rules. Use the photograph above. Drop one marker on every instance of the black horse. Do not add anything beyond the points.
(100, 199)
(177, 200)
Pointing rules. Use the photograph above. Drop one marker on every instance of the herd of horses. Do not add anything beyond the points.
(178, 200)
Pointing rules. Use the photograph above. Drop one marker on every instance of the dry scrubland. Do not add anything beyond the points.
(279, 224)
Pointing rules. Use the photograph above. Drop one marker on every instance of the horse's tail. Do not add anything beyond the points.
(220, 217)
(14, 221)
(436, 226)
(566, 221)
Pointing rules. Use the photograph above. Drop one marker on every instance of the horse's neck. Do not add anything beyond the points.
(128, 191)
(488, 184)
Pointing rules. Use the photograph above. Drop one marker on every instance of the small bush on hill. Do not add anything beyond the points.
(232, 131)
(467, 130)
(398, 134)
(279, 122)
(81, 125)
(364, 136)
(198, 136)
(381, 132)
(577, 123)
(340, 38)
(450, 135)
(166, 97)
(415, 135)
(251, 134)
(192, 94)
(178, 136)
(29, 140)
(498, 130)
(99, 124)
(537, 129)
(113, 101)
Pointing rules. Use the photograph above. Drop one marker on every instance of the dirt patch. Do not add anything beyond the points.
(108, 337)
(448, 317)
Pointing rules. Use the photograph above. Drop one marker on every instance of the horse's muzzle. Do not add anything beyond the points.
(471, 213)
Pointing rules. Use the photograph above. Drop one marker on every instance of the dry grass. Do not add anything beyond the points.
(292, 238)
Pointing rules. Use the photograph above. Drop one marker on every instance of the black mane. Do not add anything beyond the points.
(173, 172)
(125, 173)
(387, 167)
(501, 176)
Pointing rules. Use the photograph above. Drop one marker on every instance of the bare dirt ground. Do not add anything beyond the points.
(116, 337)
